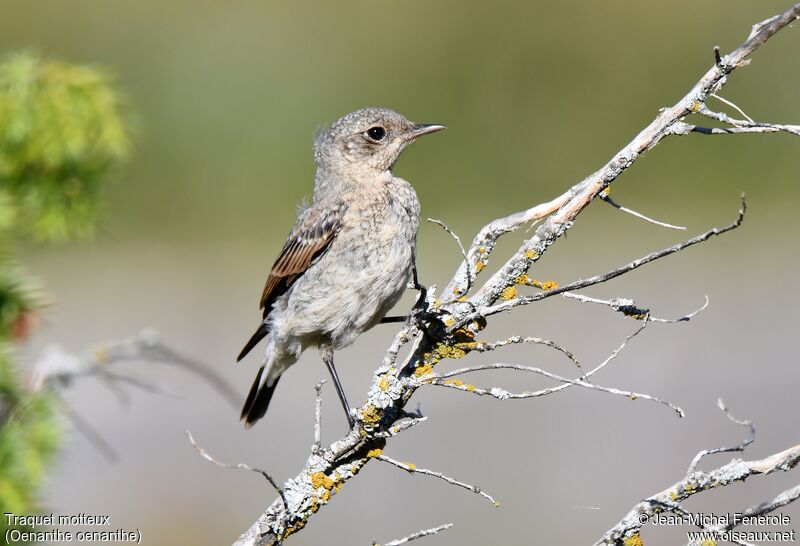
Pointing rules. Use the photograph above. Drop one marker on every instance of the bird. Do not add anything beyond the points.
(349, 256)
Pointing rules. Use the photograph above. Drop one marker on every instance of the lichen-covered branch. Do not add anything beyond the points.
(448, 327)
(695, 481)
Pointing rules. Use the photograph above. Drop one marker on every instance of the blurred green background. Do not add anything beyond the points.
(535, 96)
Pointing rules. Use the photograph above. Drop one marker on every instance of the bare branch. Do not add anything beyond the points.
(412, 468)
(732, 105)
(607, 198)
(696, 481)
(415, 536)
(739, 447)
(629, 308)
(241, 466)
(471, 270)
(501, 394)
(484, 347)
(597, 279)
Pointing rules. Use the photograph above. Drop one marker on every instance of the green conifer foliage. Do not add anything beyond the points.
(63, 136)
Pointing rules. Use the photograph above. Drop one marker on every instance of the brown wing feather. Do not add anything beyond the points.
(310, 238)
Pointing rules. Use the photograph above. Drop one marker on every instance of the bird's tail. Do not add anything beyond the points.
(260, 334)
(255, 407)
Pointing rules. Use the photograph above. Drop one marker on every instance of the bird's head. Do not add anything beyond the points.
(367, 141)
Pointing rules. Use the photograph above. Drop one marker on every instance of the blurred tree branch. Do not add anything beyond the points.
(448, 328)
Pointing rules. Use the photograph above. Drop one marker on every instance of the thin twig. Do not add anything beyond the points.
(629, 308)
(607, 198)
(597, 279)
(412, 468)
(415, 536)
(740, 447)
(483, 347)
(500, 394)
(732, 105)
(471, 271)
(242, 466)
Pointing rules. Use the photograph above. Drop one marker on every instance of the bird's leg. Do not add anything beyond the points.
(423, 292)
(327, 357)
(418, 306)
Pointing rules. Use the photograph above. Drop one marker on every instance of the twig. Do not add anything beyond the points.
(471, 271)
(412, 468)
(485, 241)
(732, 105)
(696, 481)
(607, 198)
(629, 308)
(597, 279)
(501, 394)
(415, 536)
(740, 447)
(242, 466)
(483, 347)
(85, 429)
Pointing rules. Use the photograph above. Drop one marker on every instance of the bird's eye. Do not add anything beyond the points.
(376, 133)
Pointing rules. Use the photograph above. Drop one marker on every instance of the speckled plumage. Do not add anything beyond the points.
(349, 255)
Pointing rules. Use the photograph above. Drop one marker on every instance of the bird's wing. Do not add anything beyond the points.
(310, 238)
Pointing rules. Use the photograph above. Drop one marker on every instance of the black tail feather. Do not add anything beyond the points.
(255, 407)
(258, 336)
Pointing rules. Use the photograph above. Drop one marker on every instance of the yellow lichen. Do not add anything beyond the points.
(633, 396)
(411, 467)
(384, 384)
(633, 540)
(372, 415)
(481, 249)
(708, 542)
(458, 383)
(696, 106)
(447, 351)
(425, 369)
(462, 299)
(437, 303)
(531, 255)
(673, 495)
(326, 496)
(546, 285)
(470, 388)
(319, 479)
(449, 322)
(522, 279)
(377, 452)
(509, 293)
(479, 265)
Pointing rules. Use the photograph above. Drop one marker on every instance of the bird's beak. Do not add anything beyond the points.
(423, 129)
